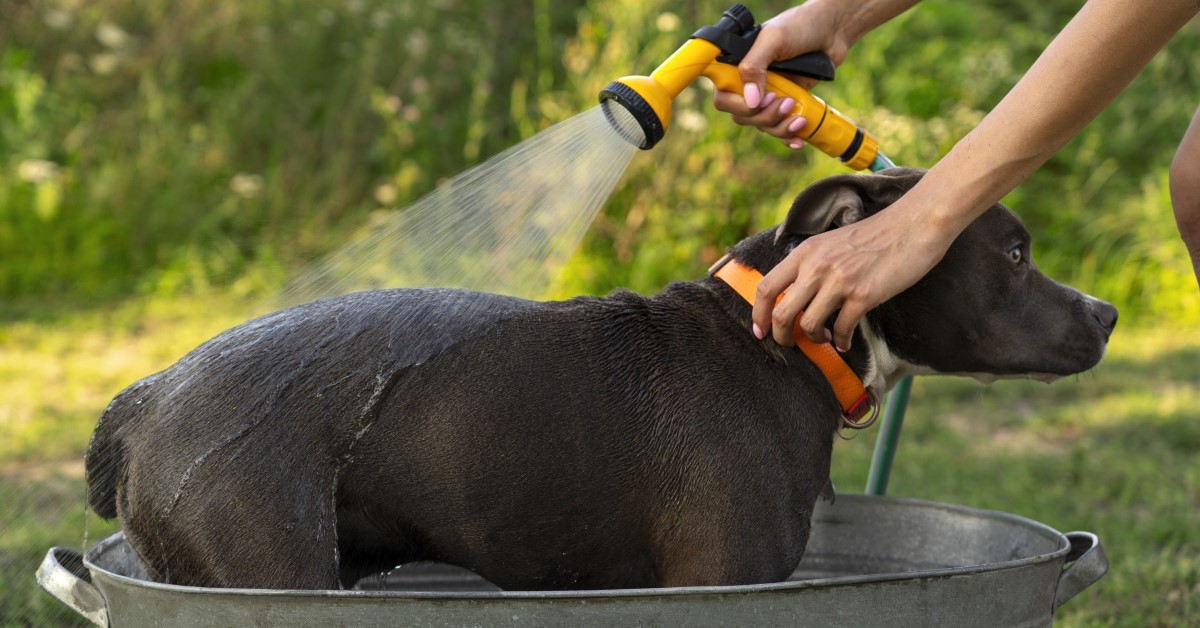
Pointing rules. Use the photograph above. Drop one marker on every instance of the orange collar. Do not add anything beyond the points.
(851, 394)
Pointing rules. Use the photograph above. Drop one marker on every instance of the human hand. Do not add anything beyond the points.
(853, 268)
(814, 26)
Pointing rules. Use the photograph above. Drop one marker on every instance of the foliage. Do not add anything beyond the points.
(194, 154)
(160, 147)
(165, 146)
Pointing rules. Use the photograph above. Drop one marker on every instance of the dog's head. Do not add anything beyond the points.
(985, 310)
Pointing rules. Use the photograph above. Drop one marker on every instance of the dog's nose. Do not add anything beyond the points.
(1104, 314)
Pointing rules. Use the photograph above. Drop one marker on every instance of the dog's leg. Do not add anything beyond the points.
(707, 561)
(709, 548)
(234, 525)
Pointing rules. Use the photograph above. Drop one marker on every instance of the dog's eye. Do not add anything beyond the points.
(1015, 254)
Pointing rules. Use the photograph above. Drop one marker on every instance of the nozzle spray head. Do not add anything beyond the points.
(639, 107)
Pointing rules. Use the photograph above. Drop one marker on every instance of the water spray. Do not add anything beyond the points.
(639, 107)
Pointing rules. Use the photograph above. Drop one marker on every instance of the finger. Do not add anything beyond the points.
(770, 119)
(786, 126)
(731, 103)
(753, 68)
(794, 126)
(768, 290)
(782, 280)
(822, 306)
(735, 105)
(752, 93)
(843, 330)
(787, 310)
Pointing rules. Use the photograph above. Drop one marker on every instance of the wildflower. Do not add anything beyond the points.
(246, 185)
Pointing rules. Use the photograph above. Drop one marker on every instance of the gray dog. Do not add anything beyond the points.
(623, 441)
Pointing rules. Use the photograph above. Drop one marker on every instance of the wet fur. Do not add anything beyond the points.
(623, 441)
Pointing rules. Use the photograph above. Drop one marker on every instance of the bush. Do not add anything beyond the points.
(181, 146)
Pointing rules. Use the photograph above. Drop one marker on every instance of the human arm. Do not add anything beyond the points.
(855, 268)
(1185, 191)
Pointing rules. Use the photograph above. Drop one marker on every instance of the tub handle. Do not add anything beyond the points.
(64, 576)
(1087, 563)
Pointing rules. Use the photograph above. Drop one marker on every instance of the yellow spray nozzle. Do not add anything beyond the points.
(714, 52)
(644, 112)
(648, 98)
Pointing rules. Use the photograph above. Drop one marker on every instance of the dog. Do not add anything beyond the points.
(598, 442)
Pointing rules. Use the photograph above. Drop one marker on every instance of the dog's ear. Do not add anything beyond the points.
(840, 200)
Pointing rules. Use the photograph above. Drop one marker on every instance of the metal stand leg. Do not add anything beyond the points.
(889, 438)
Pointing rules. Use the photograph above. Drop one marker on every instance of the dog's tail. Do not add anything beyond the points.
(104, 462)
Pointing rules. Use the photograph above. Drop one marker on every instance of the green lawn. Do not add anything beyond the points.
(169, 148)
(1113, 451)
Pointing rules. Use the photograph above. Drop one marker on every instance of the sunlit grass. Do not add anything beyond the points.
(59, 371)
(1113, 451)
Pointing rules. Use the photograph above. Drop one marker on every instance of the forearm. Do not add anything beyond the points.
(1185, 191)
(1095, 57)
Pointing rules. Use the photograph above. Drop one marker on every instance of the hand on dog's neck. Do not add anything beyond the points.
(845, 380)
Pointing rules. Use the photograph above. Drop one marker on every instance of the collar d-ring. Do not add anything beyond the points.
(873, 399)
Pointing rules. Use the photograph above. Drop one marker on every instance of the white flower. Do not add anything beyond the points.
(692, 120)
(111, 35)
(58, 19)
(37, 170)
(386, 194)
(246, 185)
(667, 22)
(104, 63)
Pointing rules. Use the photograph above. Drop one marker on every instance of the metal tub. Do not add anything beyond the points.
(871, 561)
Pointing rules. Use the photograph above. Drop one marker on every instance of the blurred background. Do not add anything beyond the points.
(167, 166)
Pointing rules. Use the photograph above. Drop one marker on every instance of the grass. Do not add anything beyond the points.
(43, 507)
(154, 151)
(59, 366)
(1112, 451)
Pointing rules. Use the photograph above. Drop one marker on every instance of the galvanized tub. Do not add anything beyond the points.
(871, 561)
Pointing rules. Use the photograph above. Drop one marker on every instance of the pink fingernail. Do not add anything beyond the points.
(787, 105)
(828, 336)
(797, 124)
(758, 332)
(796, 145)
(750, 93)
(768, 99)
